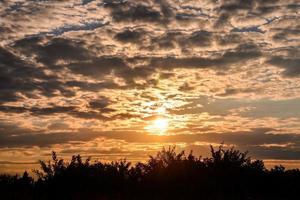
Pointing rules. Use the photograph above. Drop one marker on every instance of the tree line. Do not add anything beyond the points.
(226, 174)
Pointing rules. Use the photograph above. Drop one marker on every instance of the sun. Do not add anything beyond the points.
(158, 126)
(161, 124)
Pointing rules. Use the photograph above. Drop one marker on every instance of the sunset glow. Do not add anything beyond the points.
(160, 124)
(123, 78)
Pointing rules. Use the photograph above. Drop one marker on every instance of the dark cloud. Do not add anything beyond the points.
(159, 11)
(54, 50)
(185, 87)
(11, 129)
(98, 67)
(166, 41)
(20, 9)
(291, 66)
(73, 111)
(114, 3)
(19, 76)
(172, 39)
(166, 8)
(38, 110)
(284, 35)
(142, 72)
(85, 2)
(232, 8)
(89, 115)
(236, 5)
(51, 110)
(102, 66)
(101, 104)
(79, 60)
(235, 91)
(275, 152)
(98, 86)
(93, 86)
(84, 26)
(138, 12)
(199, 38)
(44, 139)
(242, 53)
(128, 35)
(253, 137)
(166, 75)
(113, 151)
(255, 29)
(256, 140)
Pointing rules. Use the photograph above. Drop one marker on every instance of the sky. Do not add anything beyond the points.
(123, 78)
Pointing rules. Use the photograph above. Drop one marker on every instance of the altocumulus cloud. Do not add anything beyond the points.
(79, 71)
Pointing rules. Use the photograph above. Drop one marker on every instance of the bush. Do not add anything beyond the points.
(227, 174)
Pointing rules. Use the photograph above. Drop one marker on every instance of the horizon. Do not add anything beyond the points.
(118, 79)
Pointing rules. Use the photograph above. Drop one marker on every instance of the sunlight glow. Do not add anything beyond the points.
(161, 124)
(158, 126)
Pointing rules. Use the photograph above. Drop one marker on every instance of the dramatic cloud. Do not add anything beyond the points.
(93, 77)
(291, 65)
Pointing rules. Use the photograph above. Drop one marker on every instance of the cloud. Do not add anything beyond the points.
(139, 12)
(254, 137)
(156, 11)
(19, 76)
(256, 140)
(94, 86)
(54, 50)
(85, 2)
(84, 26)
(95, 111)
(215, 69)
(101, 103)
(291, 66)
(173, 39)
(242, 53)
(235, 91)
(128, 35)
(42, 140)
(10, 129)
(99, 66)
(256, 108)
(58, 126)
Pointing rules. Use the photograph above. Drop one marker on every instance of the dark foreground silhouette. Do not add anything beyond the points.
(227, 174)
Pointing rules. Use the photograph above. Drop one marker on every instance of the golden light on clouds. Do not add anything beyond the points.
(91, 72)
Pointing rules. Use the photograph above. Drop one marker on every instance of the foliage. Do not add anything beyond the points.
(227, 174)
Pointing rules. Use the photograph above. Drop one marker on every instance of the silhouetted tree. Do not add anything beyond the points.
(227, 174)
